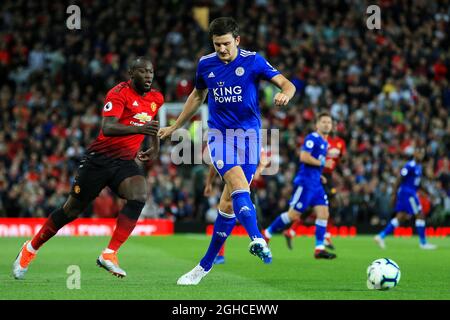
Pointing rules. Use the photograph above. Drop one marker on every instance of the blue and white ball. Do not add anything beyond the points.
(383, 274)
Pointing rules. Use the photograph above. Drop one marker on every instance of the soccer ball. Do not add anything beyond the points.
(383, 274)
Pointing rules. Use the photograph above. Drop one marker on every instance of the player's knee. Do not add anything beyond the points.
(294, 215)
(226, 206)
(401, 216)
(133, 208)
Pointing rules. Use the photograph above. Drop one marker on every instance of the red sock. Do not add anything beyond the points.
(222, 251)
(47, 231)
(124, 227)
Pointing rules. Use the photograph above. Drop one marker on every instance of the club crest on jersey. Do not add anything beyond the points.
(153, 106)
(143, 117)
(220, 164)
(239, 71)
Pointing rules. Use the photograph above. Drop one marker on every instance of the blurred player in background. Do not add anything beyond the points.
(308, 186)
(128, 114)
(336, 152)
(223, 204)
(231, 75)
(407, 202)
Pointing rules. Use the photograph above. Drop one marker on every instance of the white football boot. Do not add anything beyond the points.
(23, 260)
(109, 262)
(380, 242)
(193, 277)
(428, 246)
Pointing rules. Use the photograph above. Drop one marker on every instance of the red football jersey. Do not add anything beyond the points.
(336, 149)
(132, 109)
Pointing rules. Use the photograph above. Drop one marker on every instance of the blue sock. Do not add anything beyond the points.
(222, 229)
(245, 212)
(321, 229)
(420, 226)
(389, 228)
(280, 223)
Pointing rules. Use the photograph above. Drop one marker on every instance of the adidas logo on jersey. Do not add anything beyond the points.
(135, 104)
(211, 75)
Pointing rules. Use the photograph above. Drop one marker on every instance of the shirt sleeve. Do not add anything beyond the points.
(404, 172)
(308, 144)
(264, 69)
(200, 83)
(114, 105)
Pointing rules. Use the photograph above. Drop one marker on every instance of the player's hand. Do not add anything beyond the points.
(150, 128)
(323, 180)
(281, 99)
(166, 132)
(329, 163)
(148, 155)
(208, 190)
(264, 160)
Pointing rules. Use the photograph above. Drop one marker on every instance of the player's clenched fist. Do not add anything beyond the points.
(150, 128)
(165, 132)
(281, 99)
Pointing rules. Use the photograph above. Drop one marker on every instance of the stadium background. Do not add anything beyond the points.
(388, 90)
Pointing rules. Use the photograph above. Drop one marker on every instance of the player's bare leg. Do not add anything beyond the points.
(57, 219)
(134, 189)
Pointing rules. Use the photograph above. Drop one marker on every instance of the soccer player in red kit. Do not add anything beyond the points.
(128, 116)
(336, 150)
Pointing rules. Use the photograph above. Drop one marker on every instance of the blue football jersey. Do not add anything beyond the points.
(233, 89)
(411, 174)
(317, 147)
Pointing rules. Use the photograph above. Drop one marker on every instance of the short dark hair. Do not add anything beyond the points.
(323, 114)
(223, 25)
(137, 60)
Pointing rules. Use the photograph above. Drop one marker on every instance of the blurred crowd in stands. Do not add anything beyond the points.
(388, 91)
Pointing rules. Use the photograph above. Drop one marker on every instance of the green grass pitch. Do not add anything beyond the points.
(154, 264)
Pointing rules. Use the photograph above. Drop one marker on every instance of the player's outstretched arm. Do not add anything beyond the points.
(287, 90)
(111, 127)
(193, 102)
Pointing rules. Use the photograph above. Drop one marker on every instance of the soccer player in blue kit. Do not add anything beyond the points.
(231, 75)
(308, 187)
(407, 202)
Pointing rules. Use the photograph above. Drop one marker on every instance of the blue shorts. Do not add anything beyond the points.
(236, 148)
(306, 196)
(408, 201)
